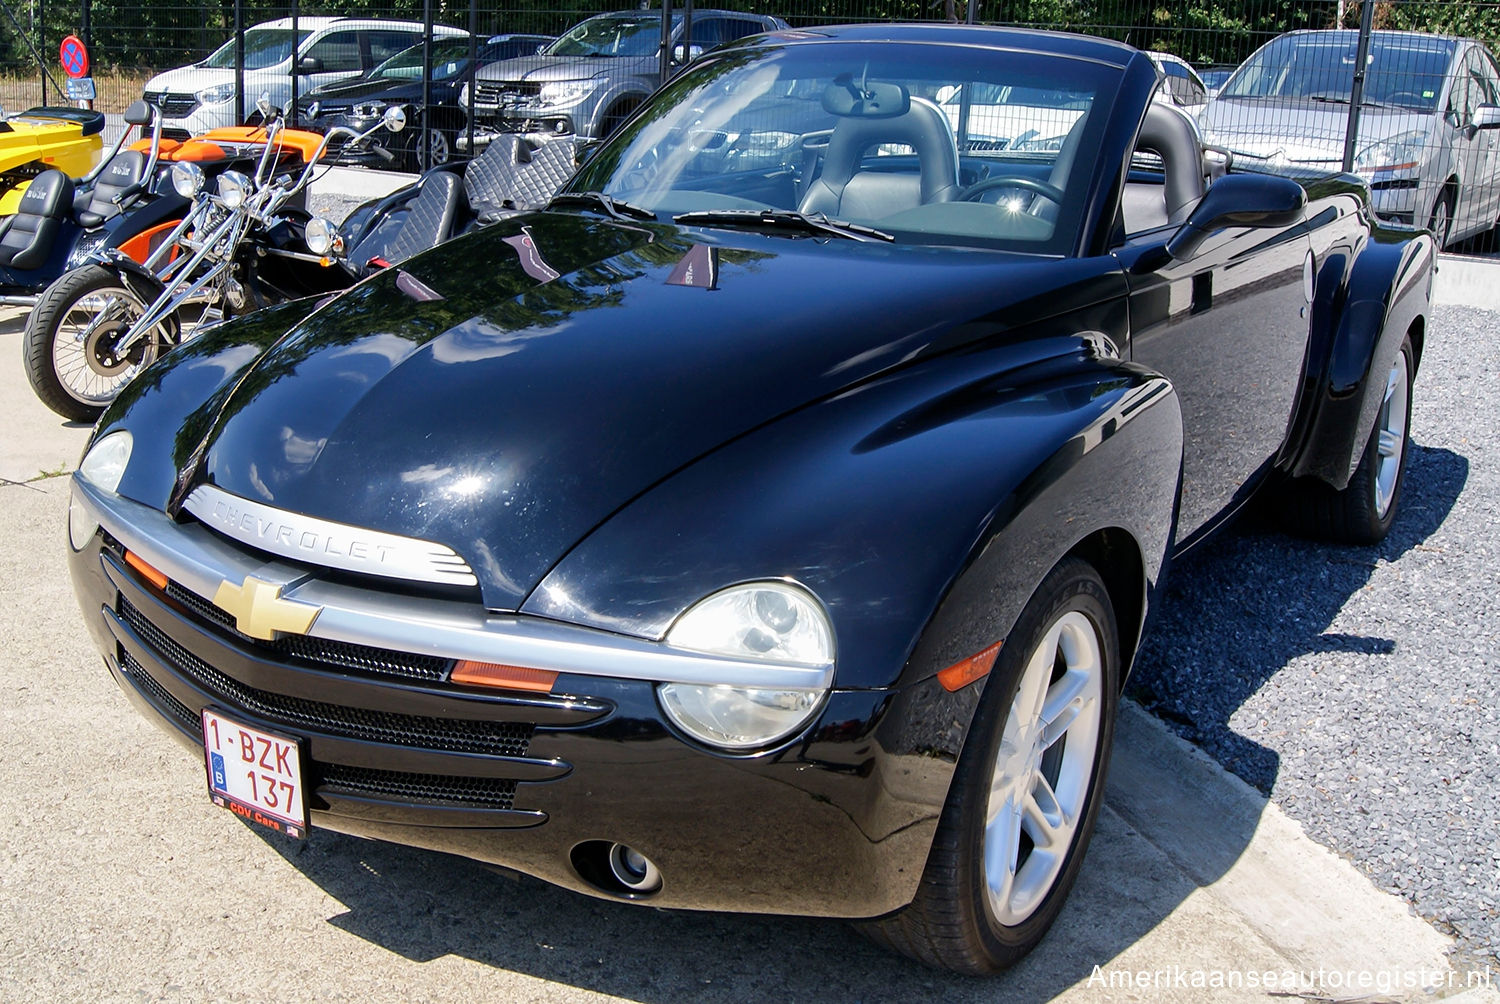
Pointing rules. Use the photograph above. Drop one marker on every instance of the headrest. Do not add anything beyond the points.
(139, 113)
(49, 194)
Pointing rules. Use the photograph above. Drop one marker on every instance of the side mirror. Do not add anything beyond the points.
(309, 64)
(1240, 200)
(1486, 117)
(686, 53)
(394, 118)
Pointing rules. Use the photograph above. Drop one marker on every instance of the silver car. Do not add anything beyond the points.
(1427, 141)
(587, 81)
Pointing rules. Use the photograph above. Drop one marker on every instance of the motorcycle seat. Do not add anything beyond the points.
(514, 175)
(122, 177)
(26, 237)
(430, 219)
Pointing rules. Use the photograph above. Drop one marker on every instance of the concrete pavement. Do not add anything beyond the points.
(122, 881)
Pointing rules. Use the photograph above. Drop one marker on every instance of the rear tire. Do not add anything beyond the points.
(1027, 789)
(69, 359)
(1362, 513)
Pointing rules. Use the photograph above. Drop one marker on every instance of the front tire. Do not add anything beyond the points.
(69, 339)
(1363, 512)
(1027, 790)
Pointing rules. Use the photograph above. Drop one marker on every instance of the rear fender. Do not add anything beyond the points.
(1362, 312)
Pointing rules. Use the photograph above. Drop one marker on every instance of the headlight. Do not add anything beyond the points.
(233, 187)
(768, 621)
(217, 94)
(1398, 153)
(321, 236)
(104, 465)
(187, 179)
(564, 92)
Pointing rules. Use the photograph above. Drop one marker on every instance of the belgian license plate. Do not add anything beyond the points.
(255, 774)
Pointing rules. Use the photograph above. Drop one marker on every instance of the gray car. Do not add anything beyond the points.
(587, 81)
(1427, 140)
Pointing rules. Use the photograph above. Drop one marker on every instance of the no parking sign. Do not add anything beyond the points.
(74, 56)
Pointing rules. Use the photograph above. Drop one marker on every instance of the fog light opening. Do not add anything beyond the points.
(616, 869)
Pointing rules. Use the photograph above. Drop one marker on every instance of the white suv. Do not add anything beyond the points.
(199, 97)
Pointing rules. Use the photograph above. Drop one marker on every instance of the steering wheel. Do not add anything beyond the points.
(1047, 191)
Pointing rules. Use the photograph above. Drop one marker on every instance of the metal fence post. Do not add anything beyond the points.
(296, 60)
(666, 41)
(473, 74)
(239, 61)
(426, 135)
(41, 44)
(1357, 96)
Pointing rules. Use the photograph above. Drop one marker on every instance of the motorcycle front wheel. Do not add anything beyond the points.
(71, 340)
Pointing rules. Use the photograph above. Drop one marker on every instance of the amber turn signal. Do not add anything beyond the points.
(135, 561)
(489, 674)
(963, 673)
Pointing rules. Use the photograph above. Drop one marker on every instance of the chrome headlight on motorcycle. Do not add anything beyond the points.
(234, 187)
(322, 237)
(187, 179)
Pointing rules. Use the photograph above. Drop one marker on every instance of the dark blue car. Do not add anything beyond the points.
(771, 523)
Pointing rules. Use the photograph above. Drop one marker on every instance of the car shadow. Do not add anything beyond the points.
(1214, 643)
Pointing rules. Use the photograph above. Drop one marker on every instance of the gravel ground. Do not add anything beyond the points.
(1357, 686)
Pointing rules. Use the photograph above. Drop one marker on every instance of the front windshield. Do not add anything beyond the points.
(263, 47)
(931, 144)
(449, 59)
(610, 36)
(1405, 71)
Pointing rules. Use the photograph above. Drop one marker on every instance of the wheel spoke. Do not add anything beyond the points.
(1044, 820)
(1066, 699)
(1002, 849)
(1390, 443)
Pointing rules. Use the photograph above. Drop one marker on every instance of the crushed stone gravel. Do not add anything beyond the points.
(1358, 686)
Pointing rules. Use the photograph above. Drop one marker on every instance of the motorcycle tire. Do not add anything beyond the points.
(69, 360)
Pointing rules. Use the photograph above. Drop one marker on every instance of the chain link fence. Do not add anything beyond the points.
(1417, 114)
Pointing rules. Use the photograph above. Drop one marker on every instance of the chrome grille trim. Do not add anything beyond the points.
(326, 543)
(197, 559)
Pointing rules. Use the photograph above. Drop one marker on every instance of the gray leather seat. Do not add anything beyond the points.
(429, 220)
(844, 190)
(26, 236)
(121, 177)
(513, 175)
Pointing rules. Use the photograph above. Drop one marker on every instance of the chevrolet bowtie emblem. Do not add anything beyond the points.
(260, 612)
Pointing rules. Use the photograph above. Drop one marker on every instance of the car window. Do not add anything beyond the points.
(610, 36)
(387, 42)
(1481, 83)
(337, 51)
(789, 127)
(1403, 70)
(736, 28)
(450, 57)
(708, 31)
(263, 47)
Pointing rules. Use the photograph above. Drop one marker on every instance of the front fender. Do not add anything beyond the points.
(1383, 294)
(967, 477)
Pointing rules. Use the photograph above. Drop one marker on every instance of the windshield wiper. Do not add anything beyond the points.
(783, 219)
(612, 206)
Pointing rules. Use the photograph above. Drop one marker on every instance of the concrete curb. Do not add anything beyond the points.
(1467, 281)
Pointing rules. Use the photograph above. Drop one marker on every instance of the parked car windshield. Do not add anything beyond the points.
(263, 47)
(610, 36)
(450, 57)
(1404, 70)
(888, 136)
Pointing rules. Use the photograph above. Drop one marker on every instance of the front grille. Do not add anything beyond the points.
(479, 792)
(490, 92)
(472, 792)
(451, 735)
(173, 106)
(319, 652)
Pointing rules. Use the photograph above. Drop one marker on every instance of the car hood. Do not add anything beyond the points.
(387, 90)
(541, 69)
(508, 391)
(191, 79)
(1300, 132)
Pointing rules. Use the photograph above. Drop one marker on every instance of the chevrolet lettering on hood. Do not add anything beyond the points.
(771, 523)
